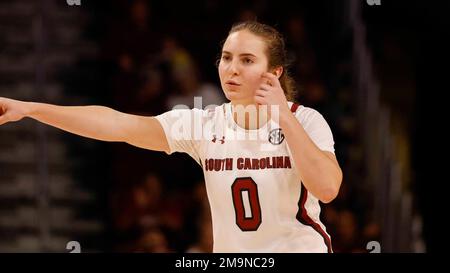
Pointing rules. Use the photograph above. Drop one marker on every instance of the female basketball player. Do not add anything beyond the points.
(265, 171)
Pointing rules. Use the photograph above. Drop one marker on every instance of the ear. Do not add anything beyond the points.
(278, 71)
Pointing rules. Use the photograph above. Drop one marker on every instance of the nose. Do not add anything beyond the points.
(233, 68)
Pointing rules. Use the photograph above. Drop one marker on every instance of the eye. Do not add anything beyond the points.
(247, 61)
(226, 58)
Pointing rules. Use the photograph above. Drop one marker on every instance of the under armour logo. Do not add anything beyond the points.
(222, 141)
(73, 2)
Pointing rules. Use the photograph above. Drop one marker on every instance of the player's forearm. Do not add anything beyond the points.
(319, 173)
(97, 122)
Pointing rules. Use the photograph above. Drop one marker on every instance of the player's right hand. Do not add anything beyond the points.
(11, 110)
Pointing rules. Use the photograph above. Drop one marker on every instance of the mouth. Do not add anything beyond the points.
(232, 83)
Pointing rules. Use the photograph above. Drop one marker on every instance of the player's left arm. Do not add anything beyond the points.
(319, 170)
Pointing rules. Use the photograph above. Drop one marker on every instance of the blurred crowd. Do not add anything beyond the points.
(157, 58)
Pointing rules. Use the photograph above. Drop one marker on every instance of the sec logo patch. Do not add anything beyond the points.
(276, 137)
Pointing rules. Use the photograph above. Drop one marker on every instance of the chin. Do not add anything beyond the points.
(231, 95)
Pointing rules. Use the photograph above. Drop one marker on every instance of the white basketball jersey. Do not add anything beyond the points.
(258, 203)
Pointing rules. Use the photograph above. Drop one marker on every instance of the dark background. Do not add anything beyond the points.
(135, 57)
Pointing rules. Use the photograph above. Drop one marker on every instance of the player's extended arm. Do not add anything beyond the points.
(97, 122)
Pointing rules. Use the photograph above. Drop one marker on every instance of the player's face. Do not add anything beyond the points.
(242, 63)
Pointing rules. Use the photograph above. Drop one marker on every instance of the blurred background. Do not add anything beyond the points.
(358, 63)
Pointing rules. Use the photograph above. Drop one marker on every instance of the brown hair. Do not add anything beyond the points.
(276, 51)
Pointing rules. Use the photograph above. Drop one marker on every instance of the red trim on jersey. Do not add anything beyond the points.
(294, 107)
(304, 218)
(302, 215)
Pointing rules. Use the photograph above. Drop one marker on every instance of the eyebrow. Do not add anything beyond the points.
(243, 54)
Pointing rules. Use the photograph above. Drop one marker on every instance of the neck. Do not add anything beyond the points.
(249, 116)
